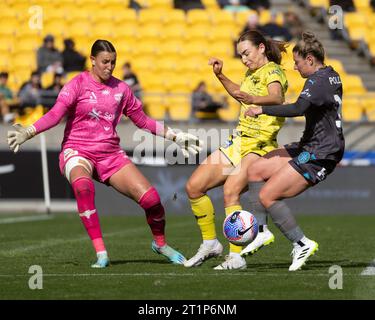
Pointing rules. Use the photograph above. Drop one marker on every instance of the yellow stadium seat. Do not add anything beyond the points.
(198, 33)
(336, 65)
(295, 81)
(56, 27)
(74, 14)
(177, 84)
(357, 33)
(102, 30)
(71, 75)
(7, 44)
(354, 19)
(211, 4)
(220, 51)
(319, 3)
(352, 109)
(128, 33)
(362, 5)
(160, 4)
(154, 106)
(171, 47)
(79, 28)
(221, 18)
(152, 83)
(8, 29)
(352, 84)
(369, 107)
(232, 112)
(147, 33)
(179, 107)
(47, 79)
(198, 17)
(26, 60)
(103, 15)
(146, 48)
(174, 32)
(175, 16)
(126, 16)
(242, 17)
(219, 33)
(194, 48)
(30, 116)
(151, 16)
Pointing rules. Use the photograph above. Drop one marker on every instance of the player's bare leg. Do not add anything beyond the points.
(131, 182)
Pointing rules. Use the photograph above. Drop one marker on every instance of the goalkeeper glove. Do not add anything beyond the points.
(16, 138)
(187, 142)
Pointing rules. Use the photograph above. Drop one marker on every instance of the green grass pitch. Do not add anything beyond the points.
(61, 247)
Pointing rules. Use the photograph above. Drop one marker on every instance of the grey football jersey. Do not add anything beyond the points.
(323, 134)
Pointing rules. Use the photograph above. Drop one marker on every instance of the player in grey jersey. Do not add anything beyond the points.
(286, 172)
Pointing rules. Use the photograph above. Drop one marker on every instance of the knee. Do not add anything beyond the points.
(231, 192)
(254, 172)
(83, 187)
(264, 198)
(149, 199)
(194, 189)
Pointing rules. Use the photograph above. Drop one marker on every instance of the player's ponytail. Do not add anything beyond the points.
(309, 44)
(273, 48)
(102, 45)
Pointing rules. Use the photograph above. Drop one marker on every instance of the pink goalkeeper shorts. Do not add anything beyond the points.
(103, 165)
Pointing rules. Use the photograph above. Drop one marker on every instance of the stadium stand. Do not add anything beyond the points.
(168, 47)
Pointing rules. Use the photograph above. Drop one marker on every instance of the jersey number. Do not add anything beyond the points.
(339, 101)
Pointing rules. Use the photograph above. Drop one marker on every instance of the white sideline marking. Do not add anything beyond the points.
(171, 274)
(24, 219)
(370, 270)
(54, 242)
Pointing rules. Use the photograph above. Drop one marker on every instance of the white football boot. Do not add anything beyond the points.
(204, 253)
(232, 262)
(302, 253)
(262, 239)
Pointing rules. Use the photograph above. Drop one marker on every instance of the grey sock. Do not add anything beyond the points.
(256, 207)
(285, 221)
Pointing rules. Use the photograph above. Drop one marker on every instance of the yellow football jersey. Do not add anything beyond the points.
(263, 127)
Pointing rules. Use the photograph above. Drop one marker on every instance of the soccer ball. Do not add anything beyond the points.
(240, 227)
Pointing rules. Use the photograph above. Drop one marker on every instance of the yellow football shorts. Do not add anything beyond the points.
(237, 147)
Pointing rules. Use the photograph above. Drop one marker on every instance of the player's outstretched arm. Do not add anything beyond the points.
(229, 85)
(19, 136)
(188, 142)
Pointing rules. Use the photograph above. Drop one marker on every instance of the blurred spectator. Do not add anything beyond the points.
(252, 23)
(346, 5)
(248, 4)
(135, 5)
(30, 91)
(294, 24)
(188, 5)
(203, 105)
(372, 4)
(72, 59)
(7, 101)
(49, 95)
(275, 31)
(131, 80)
(234, 5)
(48, 57)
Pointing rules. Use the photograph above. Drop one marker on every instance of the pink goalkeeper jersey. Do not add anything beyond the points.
(94, 109)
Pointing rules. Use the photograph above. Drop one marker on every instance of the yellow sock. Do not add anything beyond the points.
(228, 210)
(204, 213)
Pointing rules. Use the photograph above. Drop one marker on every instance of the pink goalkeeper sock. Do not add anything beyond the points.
(150, 202)
(84, 191)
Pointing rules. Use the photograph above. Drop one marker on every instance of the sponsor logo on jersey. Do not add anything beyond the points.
(321, 175)
(93, 98)
(105, 92)
(303, 157)
(118, 97)
(95, 114)
(306, 93)
(69, 153)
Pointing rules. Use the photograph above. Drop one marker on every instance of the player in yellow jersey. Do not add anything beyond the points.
(265, 83)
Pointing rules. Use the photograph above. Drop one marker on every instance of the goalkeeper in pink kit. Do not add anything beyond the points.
(94, 102)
